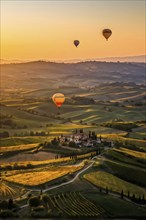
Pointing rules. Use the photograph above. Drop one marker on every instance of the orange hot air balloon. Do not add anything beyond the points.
(76, 42)
(58, 99)
(107, 33)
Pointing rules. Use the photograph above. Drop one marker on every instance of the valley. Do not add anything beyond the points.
(45, 170)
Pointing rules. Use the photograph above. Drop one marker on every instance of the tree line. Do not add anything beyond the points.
(121, 126)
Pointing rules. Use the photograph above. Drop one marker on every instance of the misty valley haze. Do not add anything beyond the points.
(42, 74)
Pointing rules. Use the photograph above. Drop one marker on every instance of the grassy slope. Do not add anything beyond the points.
(116, 207)
(133, 153)
(126, 157)
(127, 172)
(14, 141)
(104, 179)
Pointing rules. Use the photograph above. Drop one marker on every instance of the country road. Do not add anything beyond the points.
(66, 183)
(70, 181)
(76, 176)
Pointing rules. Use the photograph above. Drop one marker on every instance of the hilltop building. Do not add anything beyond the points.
(81, 139)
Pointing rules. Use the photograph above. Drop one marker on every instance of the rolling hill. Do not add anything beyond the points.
(40, 74)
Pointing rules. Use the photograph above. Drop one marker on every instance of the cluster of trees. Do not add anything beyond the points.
(139, 199)
(72, 144)
(83, 100)
(137, 102)
(52, 143)
(140, 103)
(141, 121)
(19, 126)
(85, 123)
(7, 204)
(32, 133)
(92, 135)
(39, 205)
(81, 131)
(16, 167)
(34, 112)
(7, 121)
(132, 102)
(121, 126)
(8, 209)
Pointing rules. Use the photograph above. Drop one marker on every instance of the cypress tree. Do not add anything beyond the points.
(106, 190)
(10, 204)
(122, 194)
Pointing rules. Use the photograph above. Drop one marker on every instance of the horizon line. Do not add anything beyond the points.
(77, 60)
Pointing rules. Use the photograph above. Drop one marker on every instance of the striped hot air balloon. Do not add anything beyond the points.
(58, 99)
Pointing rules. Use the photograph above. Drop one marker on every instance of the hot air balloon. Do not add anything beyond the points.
(58, 99)
(107, 33)
(76, 42)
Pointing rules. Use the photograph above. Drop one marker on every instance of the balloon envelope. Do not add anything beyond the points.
(107, 33)
(58, 99)
(76, 42)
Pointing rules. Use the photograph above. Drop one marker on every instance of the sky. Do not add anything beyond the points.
(45, 29)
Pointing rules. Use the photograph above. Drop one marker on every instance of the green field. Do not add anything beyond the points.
(122, 208)
(127, 156)
(127, 172)
(113, 183)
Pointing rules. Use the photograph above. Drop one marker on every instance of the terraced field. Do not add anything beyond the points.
(127, 172)
(133, 153)
(16, 141)
(38, 177)
(127, 157)
(6, 190)
(22, 164)
(74, 204)
(18, 148)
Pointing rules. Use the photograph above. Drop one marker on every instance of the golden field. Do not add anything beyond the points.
(138, 154)
(50, 161)
(38, 177)
(18, 148)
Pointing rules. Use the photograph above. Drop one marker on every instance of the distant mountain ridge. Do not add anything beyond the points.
(131, 59)
(135, 59)
(2, 61)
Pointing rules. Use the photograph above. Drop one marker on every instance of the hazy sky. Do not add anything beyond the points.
(38, 29)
